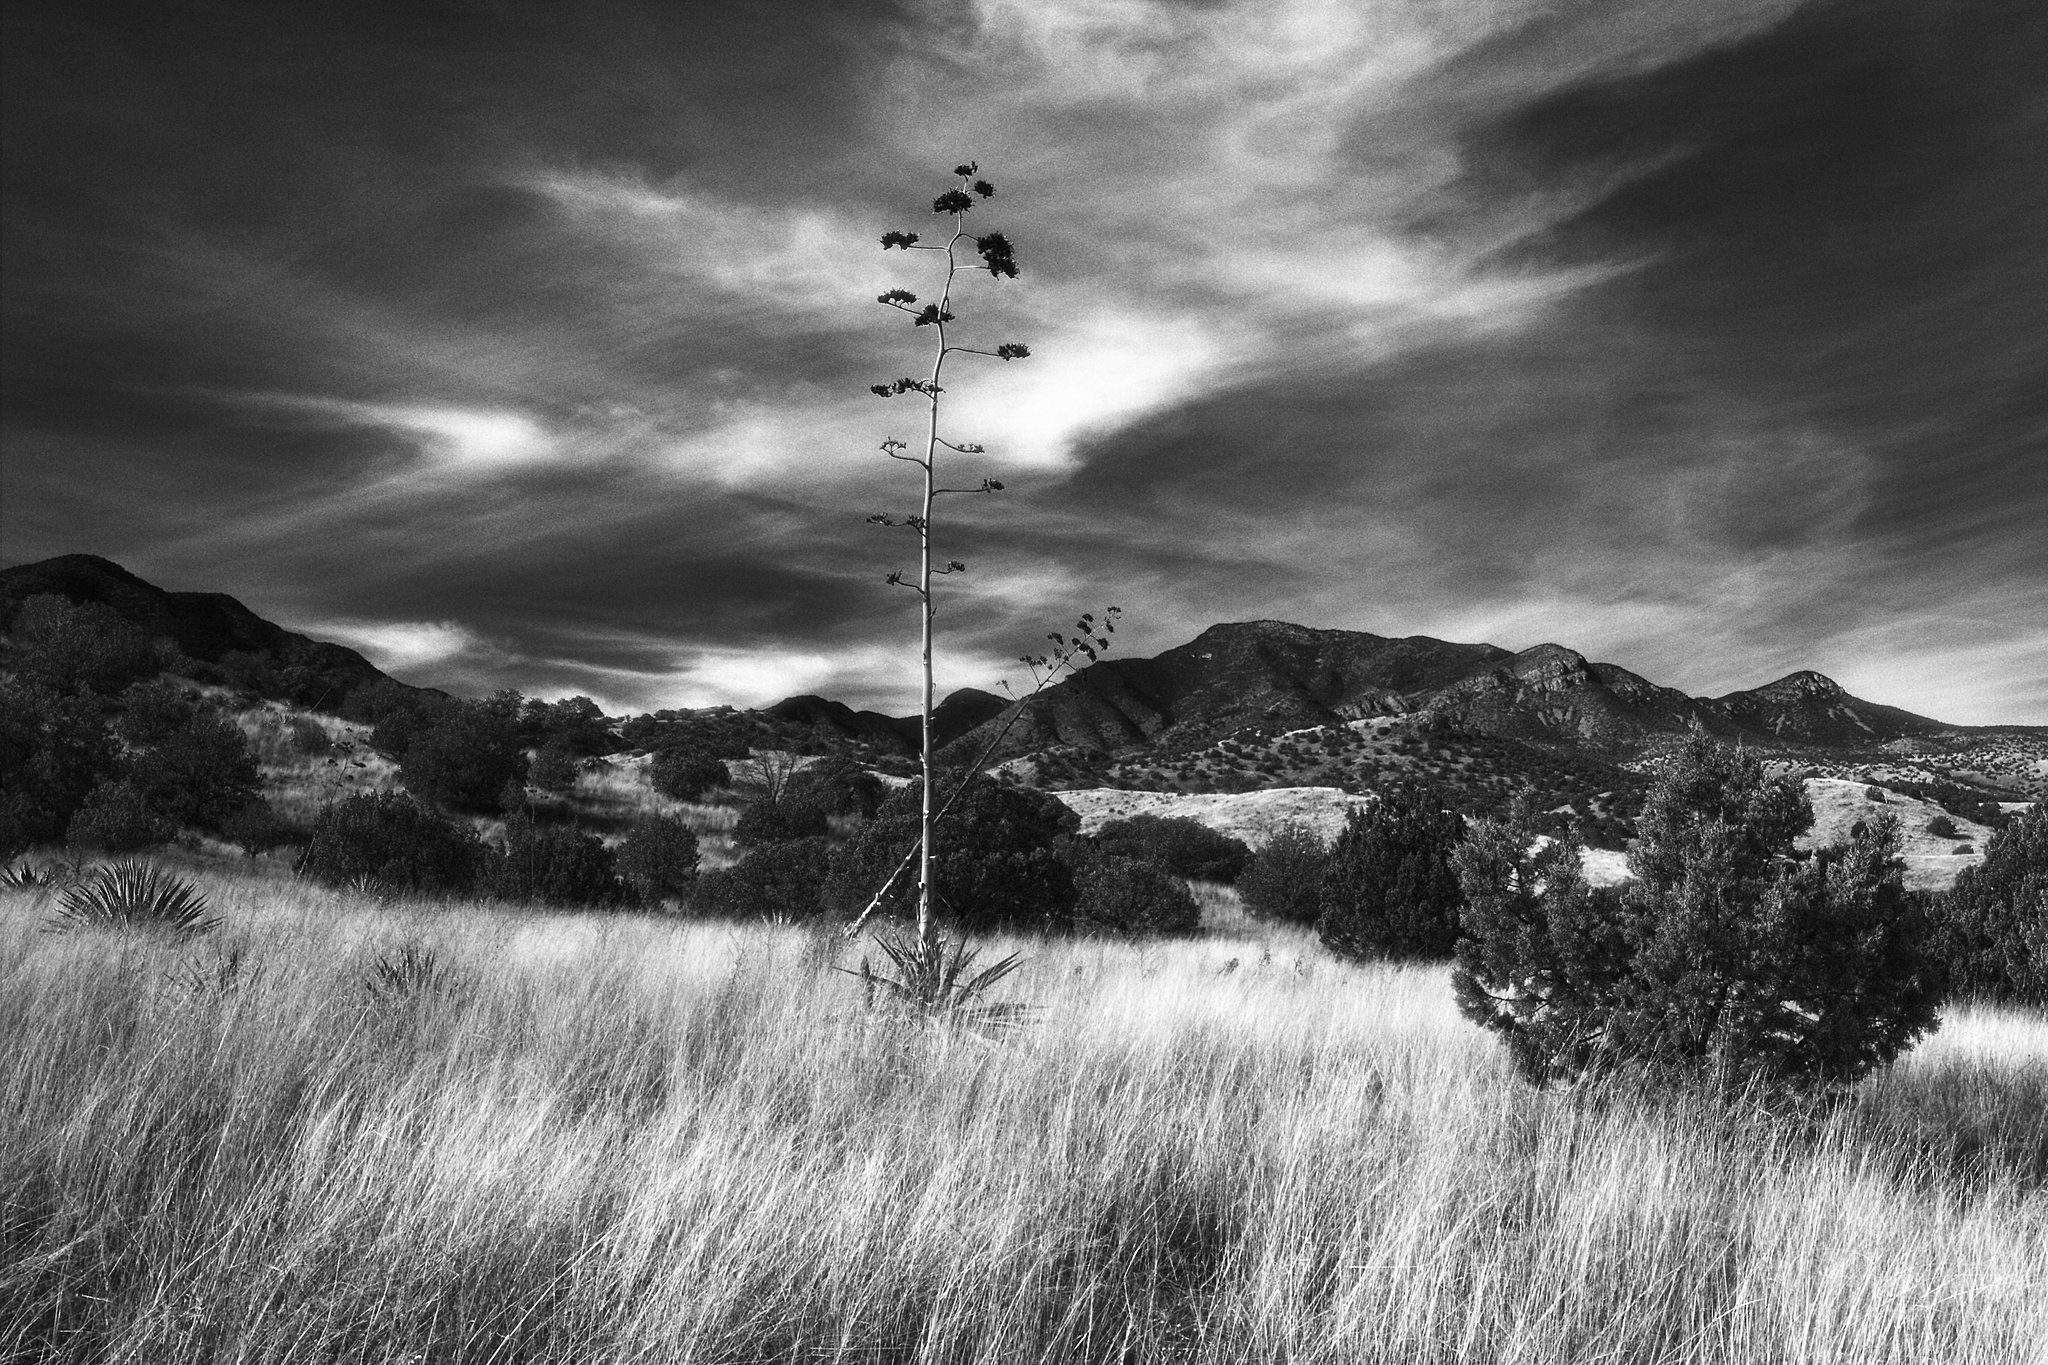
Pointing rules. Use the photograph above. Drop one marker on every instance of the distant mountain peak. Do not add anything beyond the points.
(1804, 683)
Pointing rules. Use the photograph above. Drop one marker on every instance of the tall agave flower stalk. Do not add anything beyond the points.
(989, 253)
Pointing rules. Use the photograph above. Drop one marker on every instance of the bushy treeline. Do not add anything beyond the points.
(98, 753)
(391, 842)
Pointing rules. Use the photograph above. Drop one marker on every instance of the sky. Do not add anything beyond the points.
(521, 344)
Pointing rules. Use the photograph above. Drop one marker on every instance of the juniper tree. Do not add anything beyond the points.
(1726, 957)
(1389, 890)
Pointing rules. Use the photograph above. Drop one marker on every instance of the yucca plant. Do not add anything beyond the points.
(135, 895)
(26, 876)
(932, 981)
(415, 970)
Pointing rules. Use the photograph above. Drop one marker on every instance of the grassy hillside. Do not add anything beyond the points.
(584, 1139)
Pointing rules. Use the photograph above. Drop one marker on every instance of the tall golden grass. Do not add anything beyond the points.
(626, 1139)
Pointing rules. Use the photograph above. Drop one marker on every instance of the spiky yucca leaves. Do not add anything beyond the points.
(135, 895)
(413, 971)
(26, 876)
(932, 981)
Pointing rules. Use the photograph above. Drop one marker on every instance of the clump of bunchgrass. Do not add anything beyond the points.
(135, 895)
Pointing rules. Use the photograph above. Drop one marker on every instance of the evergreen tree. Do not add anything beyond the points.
(1725, 958)
(1992, 925)
(1284, 879)
(1388, 890)
(994, 860)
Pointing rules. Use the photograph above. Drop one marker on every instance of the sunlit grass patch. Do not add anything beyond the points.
(629, 1138)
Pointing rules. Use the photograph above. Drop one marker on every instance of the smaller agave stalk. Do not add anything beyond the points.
(135, 895)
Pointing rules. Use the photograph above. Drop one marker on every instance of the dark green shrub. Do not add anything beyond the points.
(1992, 925)
(192, 764)
(838, 786)
(553, 769)
(1174, 844)
(1284, 880)
(73, 647)
(557, 865)
(117, 818)
(658, 858)
(1726, 959)
(1131, 896)
(685, 775)
(461, 754)
(258, 828)
(1942, 827)
(54, 750)
(775, 881)
(995, 864)
(777, 822)
(1388, 890)
(389, 840)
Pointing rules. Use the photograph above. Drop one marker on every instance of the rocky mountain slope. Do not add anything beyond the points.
(209, 628)
(1268, 677)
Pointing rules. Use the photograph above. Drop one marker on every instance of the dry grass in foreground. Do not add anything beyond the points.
(582, 1140)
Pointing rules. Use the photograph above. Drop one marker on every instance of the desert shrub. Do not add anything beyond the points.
(1284, 879)
(461, 754)
(1992, 925)
(192, 764)
(658, 858)
(775, 881)
(73, 647)
(309, 736)
(258, 828)
(389, 840)
(574, 725)
(1175, 844)
(117, 818)
(1942, 827)
(685, 775)
(838, 786)
(1389, 890)
(778, 822)
(1725, 959)
(1874, 794)
(554, 865)
(1131, 895)
(134, 895)
(553, 769)
(54, 750)
(994, 863)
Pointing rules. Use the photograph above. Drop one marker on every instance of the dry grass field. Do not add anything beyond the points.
(591, 1139)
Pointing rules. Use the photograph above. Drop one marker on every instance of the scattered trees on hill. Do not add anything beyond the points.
(1388, 889)
(1284, 880)
(1992, 925)
(1727, 957)
(77, 647)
